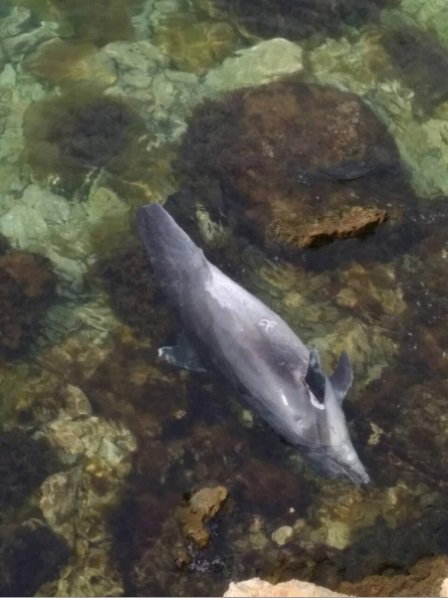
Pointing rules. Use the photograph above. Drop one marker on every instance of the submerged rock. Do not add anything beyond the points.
(26, 291)
(259, 64)
(202, 506)
(302, 164)
(353, 222)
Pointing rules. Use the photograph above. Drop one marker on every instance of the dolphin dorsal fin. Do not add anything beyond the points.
(342, 377)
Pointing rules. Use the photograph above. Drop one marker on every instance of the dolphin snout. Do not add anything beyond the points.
(359, 475)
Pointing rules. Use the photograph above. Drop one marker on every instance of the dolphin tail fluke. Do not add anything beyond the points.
(173, 254)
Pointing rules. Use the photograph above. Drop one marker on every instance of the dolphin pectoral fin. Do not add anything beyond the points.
(182, 356)
(342, 377)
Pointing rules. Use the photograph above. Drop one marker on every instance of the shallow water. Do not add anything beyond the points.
(105, 106)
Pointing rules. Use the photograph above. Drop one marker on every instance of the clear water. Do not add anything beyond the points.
(105, 106)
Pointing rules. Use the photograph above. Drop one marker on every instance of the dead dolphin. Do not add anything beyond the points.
(231, 331)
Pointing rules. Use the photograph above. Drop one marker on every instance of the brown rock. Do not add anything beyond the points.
(352, 222)
(201, 507)
(293, 588)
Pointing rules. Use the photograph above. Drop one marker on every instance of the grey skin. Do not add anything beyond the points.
(232, 332)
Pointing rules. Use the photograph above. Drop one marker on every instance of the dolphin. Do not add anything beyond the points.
(228, 330)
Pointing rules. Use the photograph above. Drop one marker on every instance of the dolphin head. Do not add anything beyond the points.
(335, 456)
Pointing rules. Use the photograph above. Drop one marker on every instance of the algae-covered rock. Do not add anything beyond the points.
(68, 136)
(194, 45)
(290, 158)
(71, 63)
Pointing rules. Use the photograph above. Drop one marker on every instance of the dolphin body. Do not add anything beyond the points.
(234, 333)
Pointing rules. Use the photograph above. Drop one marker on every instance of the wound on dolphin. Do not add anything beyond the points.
(228, 330)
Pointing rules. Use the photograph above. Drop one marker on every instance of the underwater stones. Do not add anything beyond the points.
(27, 289)
(288, 155)
(30, 555)
(66, 63)
(69, 136)
(202, 506)
(294, 588)
(76, 502)
(262, 63)
(24, 464)
(302, 19)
